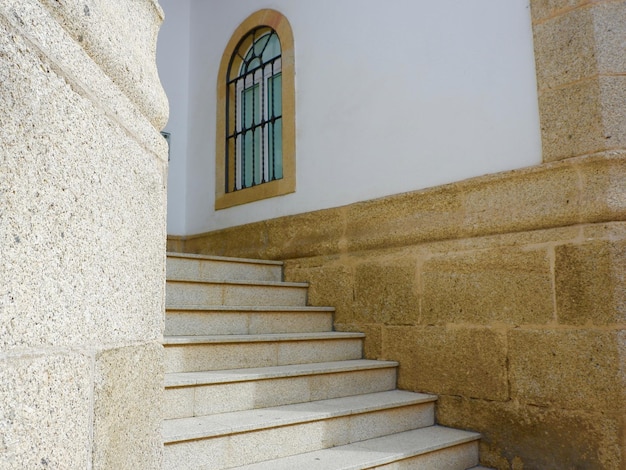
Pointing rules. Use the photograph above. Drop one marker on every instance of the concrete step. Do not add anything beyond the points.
(198, 293)
(244, 437)
(219, 352)
(431, 448)
(203, 393)
(217, 268)
(235, 320)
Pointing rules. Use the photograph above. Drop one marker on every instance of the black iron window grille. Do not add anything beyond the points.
(254, 111)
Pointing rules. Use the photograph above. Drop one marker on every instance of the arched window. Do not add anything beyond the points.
(255, 116)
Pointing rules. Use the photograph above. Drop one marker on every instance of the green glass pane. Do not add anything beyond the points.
(272, 49)
(275, 95)
(251, 149)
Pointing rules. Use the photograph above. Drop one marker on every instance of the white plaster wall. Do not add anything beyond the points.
(391, 97)
(173, 63)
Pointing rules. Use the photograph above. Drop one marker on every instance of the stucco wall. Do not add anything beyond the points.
(82, 230)
(390, 97)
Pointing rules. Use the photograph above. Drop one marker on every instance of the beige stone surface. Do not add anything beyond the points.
(544, 9)
(385, 291)
(404, 218)
(331, 283)
(511, 286)
(129, 56)
(602, 180)
(590, 284)
(81, 256)
(45, 410)
(82, 192)
(580, 66)
(565, 49)
(515, 205)
(469, 362)
(313, 233)
(568, 369)
(128, 397)
(529, 436)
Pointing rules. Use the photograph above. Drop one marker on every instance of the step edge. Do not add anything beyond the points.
(191, 379)
(193, 256)
(258, 338)
(236, 282)
(444, 442)
(420, 399)
(248, 308)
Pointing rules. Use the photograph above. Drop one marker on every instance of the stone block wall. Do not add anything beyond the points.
(82, 230)
(503, 294)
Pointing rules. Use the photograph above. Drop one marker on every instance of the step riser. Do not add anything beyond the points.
(183, 402)
(179, 323)
(459, 457)
(246, 448)
(201, 357)
(215, 270)
(184, 294)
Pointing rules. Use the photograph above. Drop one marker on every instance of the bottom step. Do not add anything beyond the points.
(430, 448)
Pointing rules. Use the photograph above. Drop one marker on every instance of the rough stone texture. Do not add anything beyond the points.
(128, 57)
(385, 291)
(469, 362)
(45, 410)
(570, 369)
(544, 9)
(82, 226)
(580, 66)
(503, 285)
(128, 396)
(510, 204)
(590, 282)
(330, 284)
(523, 436)
(583, 118)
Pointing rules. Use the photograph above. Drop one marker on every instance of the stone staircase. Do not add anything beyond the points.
(255, 379)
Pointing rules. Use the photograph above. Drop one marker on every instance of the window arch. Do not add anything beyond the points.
(255, 149)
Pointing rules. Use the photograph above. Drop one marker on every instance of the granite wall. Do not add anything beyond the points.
(82, 230)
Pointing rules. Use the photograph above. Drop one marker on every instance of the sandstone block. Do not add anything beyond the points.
(470, 362)
(524, 436)
(589, 281)
(565, 49)
(308, 234)
(543, 9)
(503, 285)
(569, 369)
(331, 284)
(523, 200)
(404, 219)
(583, 118)
(385, 291)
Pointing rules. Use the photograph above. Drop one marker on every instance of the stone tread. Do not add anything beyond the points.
(181, 379)
(185, 429)
(232, 282)
(221, 339)
(249, 309)
(372, 452)
(224, 258)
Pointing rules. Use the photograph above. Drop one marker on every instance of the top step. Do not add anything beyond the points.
(186, 267)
